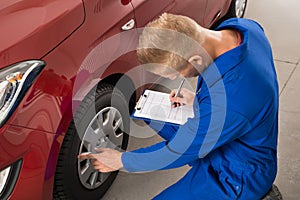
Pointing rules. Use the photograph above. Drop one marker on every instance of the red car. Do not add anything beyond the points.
(61, 64)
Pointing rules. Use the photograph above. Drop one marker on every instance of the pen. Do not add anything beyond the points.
(179, 88)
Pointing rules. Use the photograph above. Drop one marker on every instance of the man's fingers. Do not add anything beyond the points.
(172, 93)
(102, 150)
(175, 105)
(107, 160)
(86, 155)
(105, 169)
(98, 150)
(102, 167)
(99, 166)
(95, 162)
(179, 100)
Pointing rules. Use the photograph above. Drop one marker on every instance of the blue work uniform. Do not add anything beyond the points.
(231, 142)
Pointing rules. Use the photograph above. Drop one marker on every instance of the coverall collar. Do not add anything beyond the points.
(220, 66)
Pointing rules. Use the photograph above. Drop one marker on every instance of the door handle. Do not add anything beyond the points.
(125, 2)
(129, 25)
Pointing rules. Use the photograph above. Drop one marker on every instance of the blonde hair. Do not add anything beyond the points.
(169, 40)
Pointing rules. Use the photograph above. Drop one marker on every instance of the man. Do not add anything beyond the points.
(231, 143)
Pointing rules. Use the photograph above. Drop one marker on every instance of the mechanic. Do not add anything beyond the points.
(231, 142)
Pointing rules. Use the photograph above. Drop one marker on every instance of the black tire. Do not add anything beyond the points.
(68, 182)
(231, 11)
(273, 194)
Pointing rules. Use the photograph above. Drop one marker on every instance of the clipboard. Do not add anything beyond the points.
(156, 106)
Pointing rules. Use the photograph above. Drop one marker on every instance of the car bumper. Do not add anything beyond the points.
(28, 154)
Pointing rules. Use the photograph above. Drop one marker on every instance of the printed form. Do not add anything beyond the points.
(157, 106)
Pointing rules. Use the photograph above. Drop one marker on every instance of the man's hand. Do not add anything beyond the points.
(106, 160)
(185, 97)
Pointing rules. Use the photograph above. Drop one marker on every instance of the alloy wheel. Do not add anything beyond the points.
(240, 6)
(104, 131)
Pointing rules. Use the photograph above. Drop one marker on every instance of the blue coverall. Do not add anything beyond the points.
(231, 143)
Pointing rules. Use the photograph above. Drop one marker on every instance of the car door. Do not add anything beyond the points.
(111, 33)
(147, 10)
(215, 9)
(119, 41)
(194, 9)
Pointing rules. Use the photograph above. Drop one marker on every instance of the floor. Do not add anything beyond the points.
(281, 21)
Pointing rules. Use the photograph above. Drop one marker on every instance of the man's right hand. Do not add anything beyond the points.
(185, 97)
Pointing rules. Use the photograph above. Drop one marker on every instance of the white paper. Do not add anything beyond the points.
(157, 106)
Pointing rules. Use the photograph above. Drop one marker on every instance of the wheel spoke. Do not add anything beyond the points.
(103, 177)
(116, 137)
(118, 125)
(88, 147)
(99, 121)
(86, 172)
(93, 178)
(91, 136)
(111, 115)
(115, 141)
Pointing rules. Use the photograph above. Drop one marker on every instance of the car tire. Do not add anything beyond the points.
(74, 178)
(273, 194)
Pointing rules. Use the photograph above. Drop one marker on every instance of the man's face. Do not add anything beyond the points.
(192, 68)
(170, 76)
(188, 71)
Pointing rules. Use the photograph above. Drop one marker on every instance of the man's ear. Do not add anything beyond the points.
(196, 60)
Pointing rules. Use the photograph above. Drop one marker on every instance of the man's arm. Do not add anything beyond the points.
(194, 140)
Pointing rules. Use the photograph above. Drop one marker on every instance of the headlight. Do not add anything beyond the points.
(4, 177)
(14, 82)
(8, 179)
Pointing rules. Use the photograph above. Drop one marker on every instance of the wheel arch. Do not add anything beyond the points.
(123, 83)
(69, 140)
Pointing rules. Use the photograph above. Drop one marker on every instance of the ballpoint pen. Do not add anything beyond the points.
(179, 89)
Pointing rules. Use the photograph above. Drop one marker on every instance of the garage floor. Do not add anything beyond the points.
(281, 21)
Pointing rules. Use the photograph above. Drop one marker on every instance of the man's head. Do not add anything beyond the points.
(171, 45)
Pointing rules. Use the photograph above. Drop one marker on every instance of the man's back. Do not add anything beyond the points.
(252, 97)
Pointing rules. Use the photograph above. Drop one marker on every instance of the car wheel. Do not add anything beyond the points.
(102, 120)
(237, 9)
(240, 8)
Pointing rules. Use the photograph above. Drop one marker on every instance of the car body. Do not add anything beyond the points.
(58, 45)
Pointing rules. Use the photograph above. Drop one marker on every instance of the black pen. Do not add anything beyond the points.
(179, 89)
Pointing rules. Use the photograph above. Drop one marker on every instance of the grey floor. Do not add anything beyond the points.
(281, 21)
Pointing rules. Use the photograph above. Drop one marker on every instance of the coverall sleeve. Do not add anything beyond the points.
(194, 140)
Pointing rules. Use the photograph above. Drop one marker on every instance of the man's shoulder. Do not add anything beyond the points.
(240, 23)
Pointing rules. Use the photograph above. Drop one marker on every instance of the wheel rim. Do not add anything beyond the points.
(104, 131)
(240, 6)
